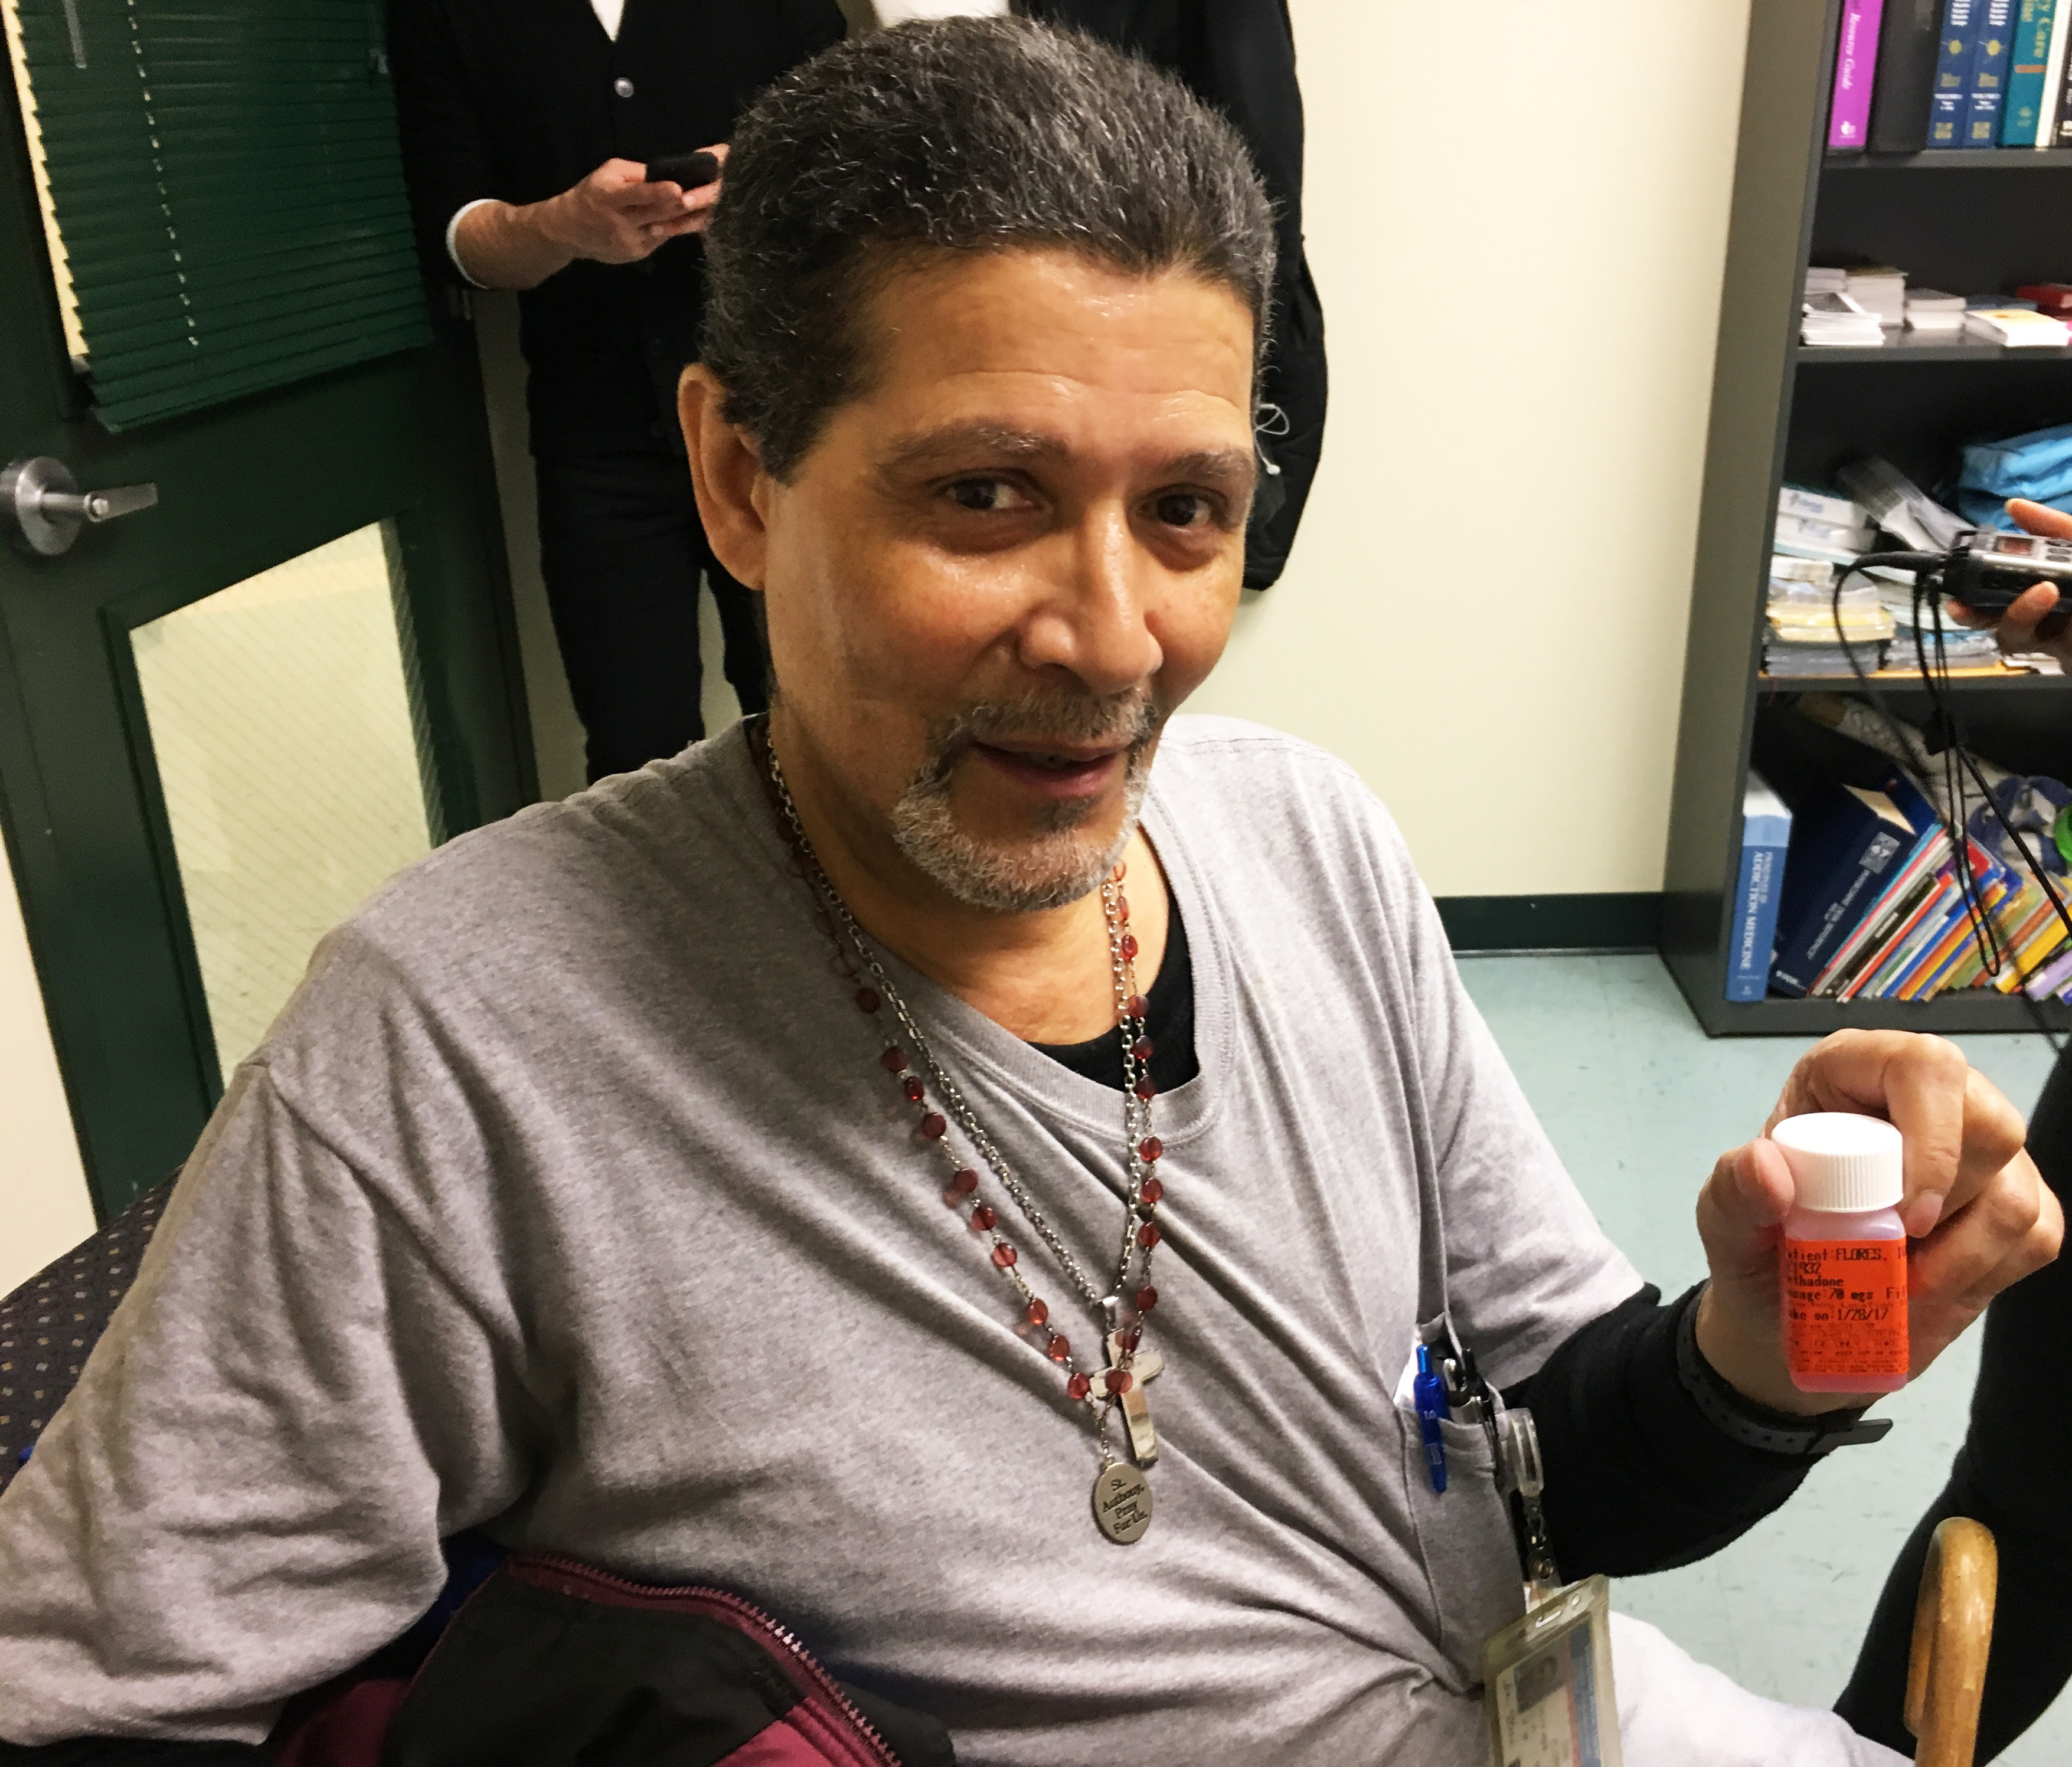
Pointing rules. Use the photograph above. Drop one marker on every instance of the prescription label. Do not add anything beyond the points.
(1845, 1307)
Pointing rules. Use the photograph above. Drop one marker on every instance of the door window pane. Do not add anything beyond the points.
(280, 714)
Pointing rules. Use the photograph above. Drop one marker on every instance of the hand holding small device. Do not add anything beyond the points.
(694, 179)
(686, 171)
(1987, 584)
(623, 211)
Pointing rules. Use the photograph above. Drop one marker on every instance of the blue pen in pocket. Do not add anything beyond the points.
(1427, 1393)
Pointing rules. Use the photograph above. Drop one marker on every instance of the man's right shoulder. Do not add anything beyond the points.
(636, 873)
(618, 845)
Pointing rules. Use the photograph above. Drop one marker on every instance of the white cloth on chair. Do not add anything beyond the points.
(1675, 1711)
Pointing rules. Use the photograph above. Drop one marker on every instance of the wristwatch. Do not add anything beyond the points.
(1742, 1419)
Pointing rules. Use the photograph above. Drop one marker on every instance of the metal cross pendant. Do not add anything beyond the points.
(1135, 1407)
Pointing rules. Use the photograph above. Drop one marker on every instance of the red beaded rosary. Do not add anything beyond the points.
(1122, 1497)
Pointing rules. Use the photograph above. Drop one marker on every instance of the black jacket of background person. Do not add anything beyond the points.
(515, 99)
(1239, 55)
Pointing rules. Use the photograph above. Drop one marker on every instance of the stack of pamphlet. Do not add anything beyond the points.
(1960, 647)
(1816, 532)
(1819, 524)
(1880, 288)
(1802, 640)
(1930, 310)
(1835, 321)
(2018, 327)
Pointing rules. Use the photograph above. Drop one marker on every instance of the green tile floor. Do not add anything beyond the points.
(1639, 1104)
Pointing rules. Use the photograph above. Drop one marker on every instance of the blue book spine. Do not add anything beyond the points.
(1910, 802)
(1950, 96)
(2026, 64)
(1847, 860)
(1766, 834)
(1987, 95)
(1906, 955)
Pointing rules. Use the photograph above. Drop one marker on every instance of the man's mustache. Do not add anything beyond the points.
(1041, 718)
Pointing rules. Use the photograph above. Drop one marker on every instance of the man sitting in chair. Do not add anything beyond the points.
(963, 1163)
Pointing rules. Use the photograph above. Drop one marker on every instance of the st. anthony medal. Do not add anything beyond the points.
(1122, 1503)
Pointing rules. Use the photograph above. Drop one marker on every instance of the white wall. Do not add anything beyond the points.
(43, 1205)
(1519, 259)
(1519, 256)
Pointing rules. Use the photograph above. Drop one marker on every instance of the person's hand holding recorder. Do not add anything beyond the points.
(2017, 625)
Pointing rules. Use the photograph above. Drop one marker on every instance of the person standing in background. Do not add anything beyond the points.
(1239, 56)
(2011, 1472)
(527, 128)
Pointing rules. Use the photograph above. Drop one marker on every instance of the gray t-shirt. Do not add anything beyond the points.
(568, 1198)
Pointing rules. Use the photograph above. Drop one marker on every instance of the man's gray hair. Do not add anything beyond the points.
(965, 134)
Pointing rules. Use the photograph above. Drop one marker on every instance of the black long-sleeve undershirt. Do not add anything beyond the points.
(1639, 1479)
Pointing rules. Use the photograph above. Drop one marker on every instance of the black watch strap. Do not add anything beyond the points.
(1742, 1419)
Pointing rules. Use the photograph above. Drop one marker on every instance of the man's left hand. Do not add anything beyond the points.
(1978, 1213)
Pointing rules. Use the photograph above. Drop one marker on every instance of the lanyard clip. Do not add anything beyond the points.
(1521, 1477)
(1468, 1396)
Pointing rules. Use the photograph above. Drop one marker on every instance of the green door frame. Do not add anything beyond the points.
(80, 809)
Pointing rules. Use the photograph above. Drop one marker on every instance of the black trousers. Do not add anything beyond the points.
(2012, 1474)
(622, 550)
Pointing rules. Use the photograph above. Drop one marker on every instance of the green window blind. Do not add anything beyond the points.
(223, 184)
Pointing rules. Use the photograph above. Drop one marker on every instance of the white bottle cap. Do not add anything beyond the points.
(1843, 1164)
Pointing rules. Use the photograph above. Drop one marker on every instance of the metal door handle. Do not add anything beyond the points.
(44, 508)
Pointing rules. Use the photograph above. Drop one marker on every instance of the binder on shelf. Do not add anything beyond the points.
(1895, 906)
(1950, 88)
(1909, 40)
(1905, 956)
(1940, 961)
(1993, 27)
(1766, 834)
(1969, 970)
(2035, 941)
(1897, 955)
(2054, 978)
(2021, 117)
(1849, 840)
(1893, 917)
(2054, 75)
(1855, 64)
(1911, 976)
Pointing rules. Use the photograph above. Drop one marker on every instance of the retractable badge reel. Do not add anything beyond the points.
(1546, 1678)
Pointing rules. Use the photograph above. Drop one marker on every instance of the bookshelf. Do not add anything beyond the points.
(1969, 220)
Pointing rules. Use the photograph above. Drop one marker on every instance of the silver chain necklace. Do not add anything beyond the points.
(1122, 1496)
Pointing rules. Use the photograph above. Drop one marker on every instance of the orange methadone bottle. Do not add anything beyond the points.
(1843, 1263)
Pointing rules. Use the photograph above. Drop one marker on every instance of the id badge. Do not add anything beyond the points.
(1547, 1683)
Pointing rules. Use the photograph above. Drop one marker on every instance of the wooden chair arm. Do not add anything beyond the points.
(1953, 1634)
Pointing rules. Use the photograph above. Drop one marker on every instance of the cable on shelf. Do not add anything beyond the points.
(1957, 761)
